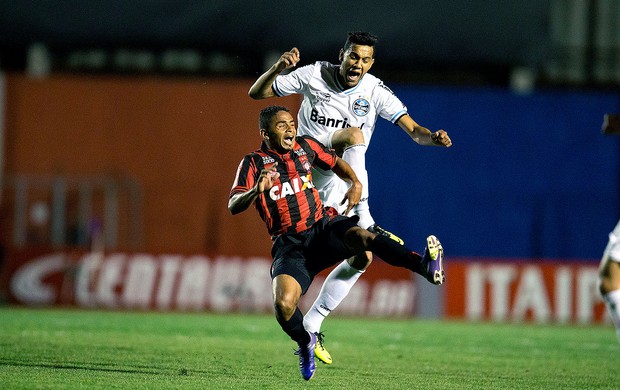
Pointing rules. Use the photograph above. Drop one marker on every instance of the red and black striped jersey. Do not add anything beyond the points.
(292, 205)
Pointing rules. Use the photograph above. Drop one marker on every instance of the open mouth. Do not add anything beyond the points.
(353, 75)
(288, 141)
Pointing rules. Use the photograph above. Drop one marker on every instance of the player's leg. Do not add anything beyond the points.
(350, 144)
(430, 265)
(286, 294)
(342, 278)
(339, 281)
(345, 235)
(290, 280)
(609, 278)
(335, 288)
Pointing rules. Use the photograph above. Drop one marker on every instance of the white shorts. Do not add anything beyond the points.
(325, 139)
(613, 246)
(331, 188)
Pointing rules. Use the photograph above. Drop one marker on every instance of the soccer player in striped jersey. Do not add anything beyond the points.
(340, 107)
(277, 179)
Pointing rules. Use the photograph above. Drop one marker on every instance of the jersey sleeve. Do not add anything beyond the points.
(389, 106)
(324, 157)
(245, 178)
(294, 82)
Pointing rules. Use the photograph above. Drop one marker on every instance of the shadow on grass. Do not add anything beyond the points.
(99, 367)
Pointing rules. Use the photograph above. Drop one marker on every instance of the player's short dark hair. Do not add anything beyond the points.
(267, 113)
(360, 38)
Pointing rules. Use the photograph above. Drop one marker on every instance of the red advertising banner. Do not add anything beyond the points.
(141, 281)
(497, 290)
(524, 290)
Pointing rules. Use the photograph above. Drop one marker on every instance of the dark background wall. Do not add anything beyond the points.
(413, 33)
(530, 174)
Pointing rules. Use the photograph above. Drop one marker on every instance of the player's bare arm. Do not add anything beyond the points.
(261, 89)
(344, 171)
(422, 135)
(242, 201)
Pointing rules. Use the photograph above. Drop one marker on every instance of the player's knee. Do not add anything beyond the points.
(344, 138)
(354, 136)
(605, 283)
(361, 261)
(608, 276)
(358, 239)
(603, 286)
(285, 306)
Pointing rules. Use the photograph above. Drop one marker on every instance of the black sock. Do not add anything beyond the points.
(295, 328)
(395, 254)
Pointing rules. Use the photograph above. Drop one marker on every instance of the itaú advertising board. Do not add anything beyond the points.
(170, 282)
(542, 291)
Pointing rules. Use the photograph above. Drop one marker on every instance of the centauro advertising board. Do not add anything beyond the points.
(141, 281)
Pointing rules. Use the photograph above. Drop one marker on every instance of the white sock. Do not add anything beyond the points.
(362, 210)
(612, 301)
(335, 288)
(355, 155)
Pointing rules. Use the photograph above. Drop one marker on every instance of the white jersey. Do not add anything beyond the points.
(327, 106)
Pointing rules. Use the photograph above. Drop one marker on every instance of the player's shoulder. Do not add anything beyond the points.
(375, 82)
(306, 141)
(320, 68)
(258, 158)
(313, 67)
(324, 64)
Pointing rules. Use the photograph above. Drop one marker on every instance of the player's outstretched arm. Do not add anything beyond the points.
(261, 89)
(422, 135)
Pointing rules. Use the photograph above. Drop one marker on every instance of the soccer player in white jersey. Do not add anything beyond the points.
(609, 268)
(609, 277)
(340, 107)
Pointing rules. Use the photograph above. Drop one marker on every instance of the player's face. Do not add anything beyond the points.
(355, 62)
(281, 133)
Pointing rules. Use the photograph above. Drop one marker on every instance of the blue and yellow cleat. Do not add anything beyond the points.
(432, 261)
(379, 230)
(306, 358)
(319, 351)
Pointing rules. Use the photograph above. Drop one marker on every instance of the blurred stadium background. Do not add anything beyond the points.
(122, 124)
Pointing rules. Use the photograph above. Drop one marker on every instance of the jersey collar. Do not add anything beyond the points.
(341, 87)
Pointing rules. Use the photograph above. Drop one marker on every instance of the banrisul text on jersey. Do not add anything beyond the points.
(327, 121)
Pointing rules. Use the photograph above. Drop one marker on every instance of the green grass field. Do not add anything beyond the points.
(118, 350)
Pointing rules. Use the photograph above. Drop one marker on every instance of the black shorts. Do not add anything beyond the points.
(304, 255)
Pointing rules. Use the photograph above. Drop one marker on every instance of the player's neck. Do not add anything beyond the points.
(340, 80)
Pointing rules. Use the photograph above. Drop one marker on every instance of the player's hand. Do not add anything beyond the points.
(441, 138)
(267, 178)
(352, 197)
(611, 124)
(289, 59)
